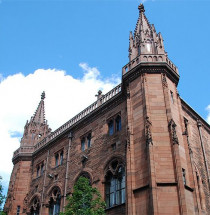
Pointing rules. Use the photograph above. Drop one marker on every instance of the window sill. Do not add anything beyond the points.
(114, 206)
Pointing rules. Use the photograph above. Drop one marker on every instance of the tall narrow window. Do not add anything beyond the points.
(184, 176)
(111, 127)
(57, 159)
(61, 157)
(172, 97)
(37, 171)
(42, 169)
(89, 140)
(118, 123)
(18, 210)
(54, 208)
(83, 144)
(115, 186)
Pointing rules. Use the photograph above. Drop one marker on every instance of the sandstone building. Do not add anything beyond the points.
(141, 145)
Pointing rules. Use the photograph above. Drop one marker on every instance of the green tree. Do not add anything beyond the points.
(2, 198)
(85, 200)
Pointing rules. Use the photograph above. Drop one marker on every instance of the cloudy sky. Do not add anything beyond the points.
(71, 49)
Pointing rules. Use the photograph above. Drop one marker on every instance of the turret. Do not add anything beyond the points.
(37, 128)
(145, 39)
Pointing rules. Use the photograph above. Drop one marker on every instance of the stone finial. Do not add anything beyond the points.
(43, 95)
(141, 8)
(99, 95)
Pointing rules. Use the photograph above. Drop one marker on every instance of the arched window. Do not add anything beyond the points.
(54, 204)
(111, 127)
(118, 123)
(85, 175)
(35, 206)
(115, 184)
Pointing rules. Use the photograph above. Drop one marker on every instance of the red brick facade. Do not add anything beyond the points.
(161, 142)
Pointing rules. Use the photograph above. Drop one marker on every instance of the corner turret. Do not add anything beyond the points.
(145, 39)
(37, 128)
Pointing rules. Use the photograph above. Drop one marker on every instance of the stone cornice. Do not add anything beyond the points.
(151, 68)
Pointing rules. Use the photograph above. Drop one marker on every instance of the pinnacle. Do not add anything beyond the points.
(43, 95)
(39, 116)
(141, 8)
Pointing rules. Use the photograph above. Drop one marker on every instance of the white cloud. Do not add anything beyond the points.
(208, 116)
(65, 97)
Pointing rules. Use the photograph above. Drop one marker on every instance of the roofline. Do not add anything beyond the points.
(194, 114)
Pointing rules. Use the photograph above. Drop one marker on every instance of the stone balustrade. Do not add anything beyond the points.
(147, 58)
(103, 99)
(23, 150)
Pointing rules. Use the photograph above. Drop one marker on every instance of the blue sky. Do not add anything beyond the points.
(44, 44)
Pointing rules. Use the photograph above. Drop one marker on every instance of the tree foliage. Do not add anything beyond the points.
(2, 198)
(85, 200)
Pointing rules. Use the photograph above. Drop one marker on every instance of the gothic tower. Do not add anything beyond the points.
(160, 171)
(34, 131)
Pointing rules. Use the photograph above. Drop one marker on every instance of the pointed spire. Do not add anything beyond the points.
(145, 39)
(39, 116)
(37, 128)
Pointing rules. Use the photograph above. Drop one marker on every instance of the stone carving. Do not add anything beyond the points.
(128, 138)
(148, 133)
(35, 205)
(172, 130)
(164, 81)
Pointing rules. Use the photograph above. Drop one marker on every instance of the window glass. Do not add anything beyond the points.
(56, 159)
(172, 97)
(89, 140)
(111, 127)
(42, 169)
(118, 123)
(61, 158)
(54, 208)
(83, 144)
(18, 209)
(37, 171)
(115, 186)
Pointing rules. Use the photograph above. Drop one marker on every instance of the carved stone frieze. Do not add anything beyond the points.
(172, 130)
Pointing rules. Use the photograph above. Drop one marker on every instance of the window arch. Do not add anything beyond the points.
(35, 206)
(55, 201)
(115, 184)
(85, 175)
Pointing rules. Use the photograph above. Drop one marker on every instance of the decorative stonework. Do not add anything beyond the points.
(172, 130)
(128, 138)
(186, 133)
(148, 133)
(164, 81)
